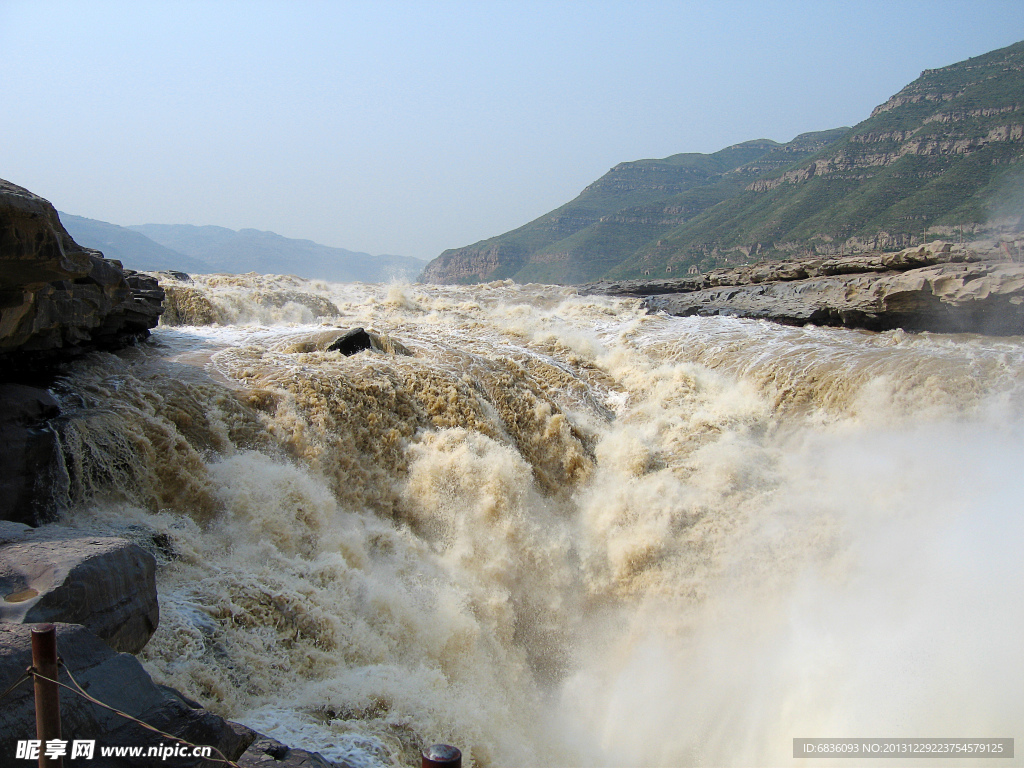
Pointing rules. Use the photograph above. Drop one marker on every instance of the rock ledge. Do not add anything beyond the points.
(934, 287)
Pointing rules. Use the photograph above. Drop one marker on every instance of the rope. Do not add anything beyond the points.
(31, 672)
(24, 676)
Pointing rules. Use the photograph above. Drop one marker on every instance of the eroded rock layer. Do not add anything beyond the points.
(931, 288)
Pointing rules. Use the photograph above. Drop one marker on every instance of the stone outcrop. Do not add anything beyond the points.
(100, 592)
(937, 252)
(57, 298)
(57, 301)
(54, 574)
(931, 288)
(116, 679)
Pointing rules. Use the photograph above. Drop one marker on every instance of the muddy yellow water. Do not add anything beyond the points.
(562, 531)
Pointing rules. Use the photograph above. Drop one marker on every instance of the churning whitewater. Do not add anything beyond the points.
(556, 530)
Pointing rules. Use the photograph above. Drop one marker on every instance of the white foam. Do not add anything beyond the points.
(565, 532)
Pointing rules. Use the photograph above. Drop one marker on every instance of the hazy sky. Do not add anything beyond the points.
(411, 127)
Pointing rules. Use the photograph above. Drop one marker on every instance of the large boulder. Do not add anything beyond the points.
(34, 246)
(355, 340)
(58, 298)
(118, 680)
(54, 574)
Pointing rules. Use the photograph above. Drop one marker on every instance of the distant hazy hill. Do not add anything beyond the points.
(134, 250)
(936, 157)
(216, 249)
(251, 250)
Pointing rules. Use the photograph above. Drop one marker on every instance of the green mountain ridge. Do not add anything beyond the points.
(627, 185)
(939, 158)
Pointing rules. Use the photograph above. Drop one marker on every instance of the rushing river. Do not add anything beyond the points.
(563, 531)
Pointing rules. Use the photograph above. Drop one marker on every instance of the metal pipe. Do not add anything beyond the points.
(44, 661)
(442, 756)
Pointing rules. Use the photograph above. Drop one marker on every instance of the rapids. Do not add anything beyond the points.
(562, 531)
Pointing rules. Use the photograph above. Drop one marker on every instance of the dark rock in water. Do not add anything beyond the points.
(29, 454)
(55, 574)
(58, 299)
(173, 274)
(117, 679)
(266, 752)
(359, 339)
(354, 341)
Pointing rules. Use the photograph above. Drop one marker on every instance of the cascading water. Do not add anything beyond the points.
(562, 531)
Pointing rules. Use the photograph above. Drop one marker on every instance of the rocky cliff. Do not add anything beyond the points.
(58, 299)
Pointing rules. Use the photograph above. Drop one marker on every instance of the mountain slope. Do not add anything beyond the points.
(133, 249)
(933, 160)
(625, 186)
(594, 250)
(941, 158)
(251, 250)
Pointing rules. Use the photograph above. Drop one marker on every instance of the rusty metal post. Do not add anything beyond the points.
(442, 756)
(44, 660)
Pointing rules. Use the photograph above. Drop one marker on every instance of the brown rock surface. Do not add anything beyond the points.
(58, 298)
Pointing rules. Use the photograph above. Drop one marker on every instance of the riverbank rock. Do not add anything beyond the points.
(54, 574)
(117, 679)
(935, 287)
(58, 299)
(31, 476)
(950, 298)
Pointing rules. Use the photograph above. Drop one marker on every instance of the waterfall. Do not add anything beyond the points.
(561, 531)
